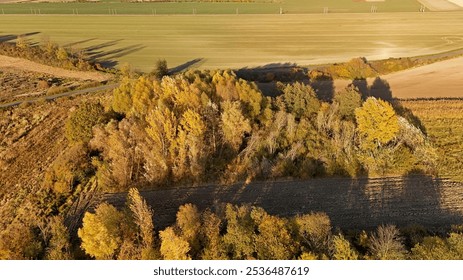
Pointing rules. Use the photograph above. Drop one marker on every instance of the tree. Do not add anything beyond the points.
(300, 100)
(59, 245)
(160, 69)
(173, 247)
(143, 218)
(436, 248)
(80, 123)
(348, 100)
(234, 124)
(62, 54)
(386, 244)
(274, 241)
(122, 98)
(211, 240)
(189, 222)
(377, 123)
(101, 232)
(240, 232)
(314, 230)
(343, 249)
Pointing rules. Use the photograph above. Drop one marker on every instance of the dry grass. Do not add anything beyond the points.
(443, 120)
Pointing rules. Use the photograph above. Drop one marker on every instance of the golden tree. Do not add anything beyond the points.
(173, 247)
(377, 123)
(101, 232)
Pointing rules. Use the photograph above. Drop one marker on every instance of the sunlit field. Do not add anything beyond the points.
(233, 41)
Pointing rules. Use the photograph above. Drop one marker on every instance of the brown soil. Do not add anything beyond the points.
(350, 203)
(27, 65)
(437, 80)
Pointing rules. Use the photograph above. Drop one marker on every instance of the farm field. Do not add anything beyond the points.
(190, 7)
(446, 82)
(231, 41)
(443, 121)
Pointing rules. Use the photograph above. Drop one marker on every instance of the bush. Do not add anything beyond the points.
(80, 123)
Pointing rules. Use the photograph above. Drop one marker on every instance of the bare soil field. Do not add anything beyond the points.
(437, 80)
(440, 5)
(27, 65)
(351, 203)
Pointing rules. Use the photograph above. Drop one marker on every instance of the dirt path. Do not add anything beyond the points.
(27, 65)
(437, 80)
(350, 203)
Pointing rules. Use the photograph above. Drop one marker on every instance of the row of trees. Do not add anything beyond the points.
(200, 126)
(47, 52)
(244, 232)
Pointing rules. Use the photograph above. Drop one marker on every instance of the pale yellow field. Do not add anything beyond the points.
(235, 41)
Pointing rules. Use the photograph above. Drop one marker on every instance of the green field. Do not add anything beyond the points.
(254, 7)
(232, 41)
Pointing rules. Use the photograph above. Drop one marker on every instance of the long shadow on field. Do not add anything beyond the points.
(350, 203)
(324, 88)
(185, 66)
(79, 42)
(108, 58)
(381, 89)
(362, 87)
(10, 37)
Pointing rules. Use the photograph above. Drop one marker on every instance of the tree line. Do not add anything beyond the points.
(245, 232)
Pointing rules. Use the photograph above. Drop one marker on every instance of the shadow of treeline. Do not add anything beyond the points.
(380, 88)
(106, 54)
(350, 203)
(11, 37)
(187, 65)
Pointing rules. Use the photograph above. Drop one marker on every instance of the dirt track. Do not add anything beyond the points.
(361, 204)
(437, 80)
(27, 65)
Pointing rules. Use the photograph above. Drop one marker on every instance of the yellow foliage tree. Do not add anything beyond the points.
(173, 247)
(274, 241)
(377, 123)
(143, 218)
(101, 233)
(234, 124)
(343, 249)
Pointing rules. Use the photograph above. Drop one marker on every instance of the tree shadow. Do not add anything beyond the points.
(408, 115)
(324, 88)
(268, 76)
(11, 37)
(362, 87)
(79, 42)
(381, 89)
(108, 58)
(185, 66)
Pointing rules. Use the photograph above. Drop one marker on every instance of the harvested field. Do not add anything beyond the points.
(231, 41)
(350, 203)
(438, 80)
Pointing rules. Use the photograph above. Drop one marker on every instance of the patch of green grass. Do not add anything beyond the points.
(254, 7)
(234, 41)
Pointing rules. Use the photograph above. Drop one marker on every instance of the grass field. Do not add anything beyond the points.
(254, 7)
(231, 41)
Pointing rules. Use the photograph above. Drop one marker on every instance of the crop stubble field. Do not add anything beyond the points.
(234, 41)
